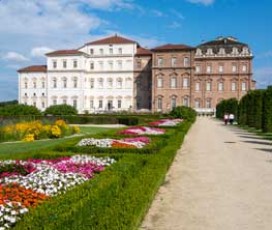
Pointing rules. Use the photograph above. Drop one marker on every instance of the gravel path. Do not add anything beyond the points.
(221, 179)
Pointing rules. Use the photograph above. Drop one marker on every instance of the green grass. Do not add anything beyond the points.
(10, 150)
(258, 132)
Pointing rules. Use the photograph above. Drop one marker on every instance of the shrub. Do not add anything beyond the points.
(13, 110)
(184, 112)
(61, 110)
(267, 110)
(227, 106)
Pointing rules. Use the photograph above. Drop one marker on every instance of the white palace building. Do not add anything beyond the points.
(99, 76)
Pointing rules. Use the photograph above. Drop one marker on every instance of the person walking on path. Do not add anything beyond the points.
(226, 118)
(231, 118)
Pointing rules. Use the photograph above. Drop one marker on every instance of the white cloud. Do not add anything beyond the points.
(177, 14)
(204, 2)
(13, 56)
(174, 25)
(109, 4)
(40, 51)
(157, 13)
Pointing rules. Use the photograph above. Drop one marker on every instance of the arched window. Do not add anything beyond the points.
(208, 103)
(185, 82)
(220, 86)
(160, 81)
(91, 83)
(197, 103)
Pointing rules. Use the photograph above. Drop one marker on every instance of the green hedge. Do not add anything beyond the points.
(267, 110)
(227, 106)
(118, 198)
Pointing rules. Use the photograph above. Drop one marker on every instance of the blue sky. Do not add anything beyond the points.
(30, 28)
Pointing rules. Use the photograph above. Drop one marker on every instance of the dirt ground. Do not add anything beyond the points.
(221, 179)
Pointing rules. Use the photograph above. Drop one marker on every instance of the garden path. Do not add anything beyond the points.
(221, 179)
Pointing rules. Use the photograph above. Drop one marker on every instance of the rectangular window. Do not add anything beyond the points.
(101, 65)
(100, 104)
(221, 69)
(91, 104)
(139, 64)
(120, 51)
(92, 83)
(173, 82)
(64, 64)
(186, 62)
(110, 65)
(54, 102)
(233, 86)
(75, 83)
(91, 51)
(54, 64)
(54, 83)
(208, 103)
(43, 104)
(159, 83)
(43, 84)
(173, 102)
(185, 83)
(120, 65)
(220, 86)
(234, 68)
(111, 50)
(64, 101)
(208, 86)
(101, 51)
(26, 85)
(209, 68)
(197, 86)
(34, 104)
(160, 103)
(75, 103)
(34, 85)
(244, 68)
(174, 62)
(75, 64)
(197, 103)
(243, 86)
(119, 104)
(186, 101)
(91, 65)
(160, 62)
(198, 69)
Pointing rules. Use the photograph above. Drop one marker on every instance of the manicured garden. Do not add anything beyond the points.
(101, 181)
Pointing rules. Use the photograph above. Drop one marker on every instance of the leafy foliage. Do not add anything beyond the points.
(227, 106)
(5, 103)
(61, 110)
(20, 109)
(184, 112)
(267, 110)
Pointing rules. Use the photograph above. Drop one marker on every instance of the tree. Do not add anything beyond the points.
(267, 110)
(184, 112)
(61, 110)
(20, 109)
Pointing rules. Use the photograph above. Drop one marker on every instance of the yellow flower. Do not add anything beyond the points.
(75, 129)
(28, 138)
(61, 124)
(55, 131)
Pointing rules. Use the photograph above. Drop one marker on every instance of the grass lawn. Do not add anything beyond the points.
(10, 150)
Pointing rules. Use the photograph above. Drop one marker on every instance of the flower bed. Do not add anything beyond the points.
(30, 131)
(137, 142)
(143, 130)
(25, 184)
(166, 122)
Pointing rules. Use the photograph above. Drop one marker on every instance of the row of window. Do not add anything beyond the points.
(185, 84)
(110, 65)
(161, 62)
(109, 51)
(185, 102)
(34, 84)
(109, 83)
(222, 51)
(64, 64)
(209, 69)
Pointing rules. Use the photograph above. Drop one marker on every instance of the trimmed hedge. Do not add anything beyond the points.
(118, 198)
(267, 110)
(227, 106)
